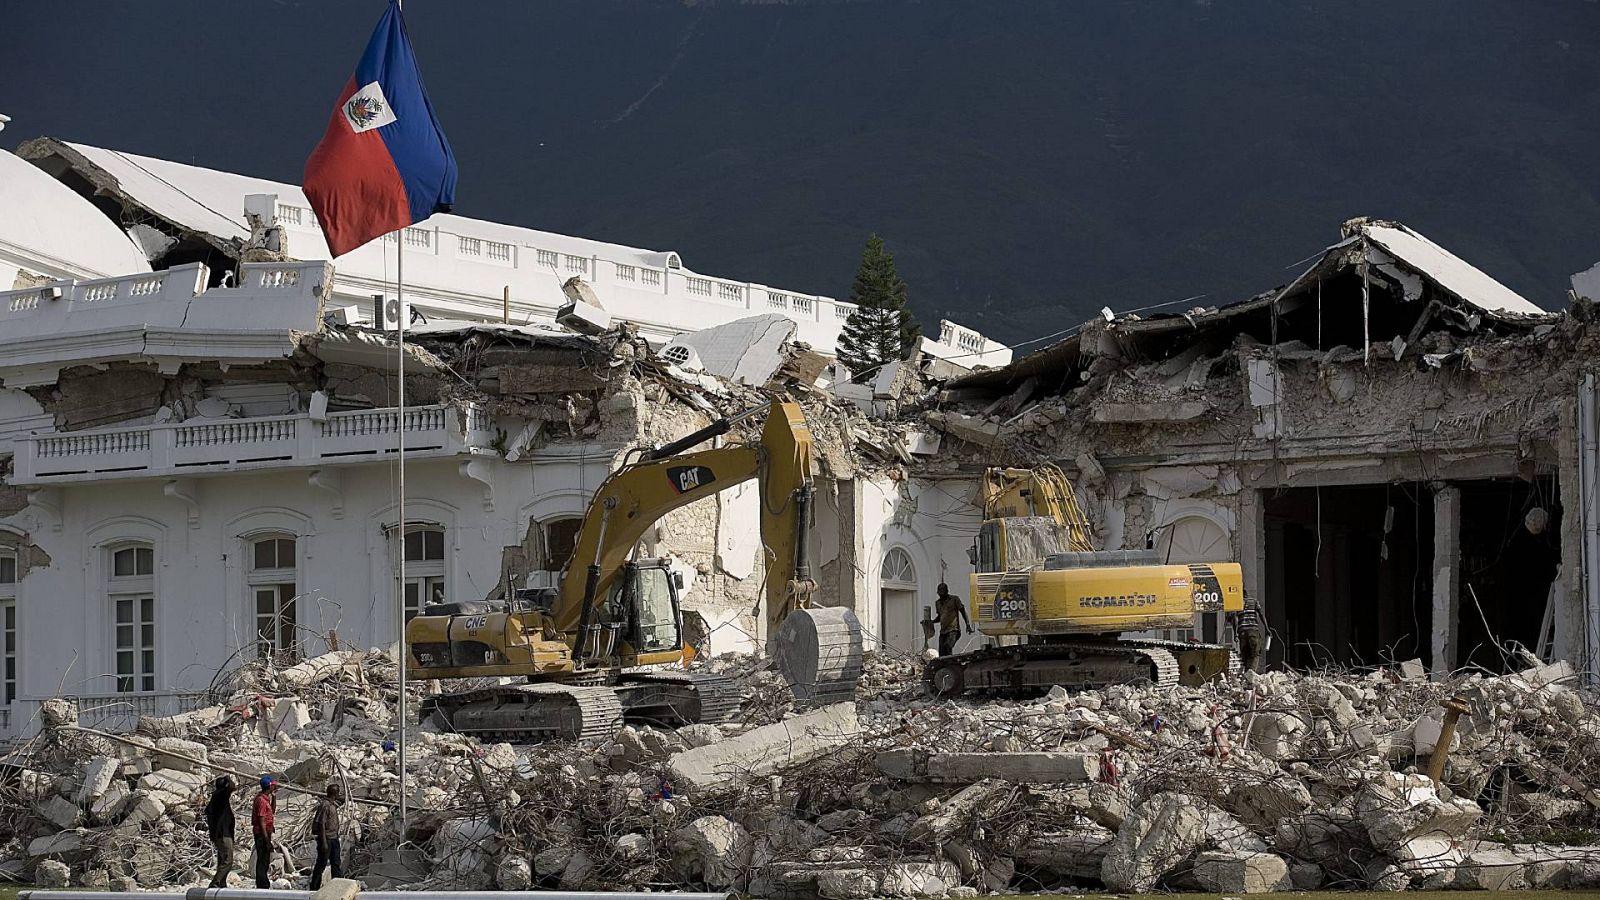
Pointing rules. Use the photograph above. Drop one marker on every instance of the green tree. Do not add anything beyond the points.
(880, 329)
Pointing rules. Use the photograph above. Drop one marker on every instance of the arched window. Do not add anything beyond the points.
(273, 588)
(897, 569)
(560, 538)
(425, 567)
(8, 625)
(131, 590)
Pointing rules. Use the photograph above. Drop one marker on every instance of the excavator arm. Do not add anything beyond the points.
(637, 496)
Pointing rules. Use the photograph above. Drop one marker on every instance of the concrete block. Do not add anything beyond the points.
(847, 884)
(338, 889)
(633, 848)
(58, 811)
(1076, 853)
(287, 716)
(957, 811)
(52, 873)
(579, 867)
(143, 811)
(172, 781)
(1397, 809)
(1241, 873)
(972, 429)
(713, 850)
(1160, 833)
(98, 774)
(176, 753)
(108, 805)
(919, 879)
(1488, 869)
(764, 751)
(59, 844)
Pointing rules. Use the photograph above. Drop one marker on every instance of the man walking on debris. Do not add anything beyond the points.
(261, 826)
(325, 827)
(220, 825)
(1250, 630)
(952, 614)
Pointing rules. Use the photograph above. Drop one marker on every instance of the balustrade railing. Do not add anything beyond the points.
(221, 443)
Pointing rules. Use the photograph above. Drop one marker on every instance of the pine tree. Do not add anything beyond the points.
(880, 329)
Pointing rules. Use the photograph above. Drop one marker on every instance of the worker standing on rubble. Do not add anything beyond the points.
(952, 614)
(261, 826)
(220, 826)
(1250, 631)
(325, 828)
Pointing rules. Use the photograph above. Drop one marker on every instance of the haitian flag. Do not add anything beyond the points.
(384, 162)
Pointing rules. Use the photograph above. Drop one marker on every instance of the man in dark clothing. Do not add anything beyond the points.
(1250, 631)
(261, 827)
(325, 827)
(220, 825)
(952, 614)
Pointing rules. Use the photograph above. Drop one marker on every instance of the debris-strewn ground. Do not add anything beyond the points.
(1262, 782)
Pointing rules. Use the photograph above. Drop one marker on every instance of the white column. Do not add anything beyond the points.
(1446, 577)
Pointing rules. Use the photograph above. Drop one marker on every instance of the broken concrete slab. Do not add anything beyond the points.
(180, 755)
(98, 774)
(1159, 835)
(712, 850)
(972, 429)
(765, 751)
(58, 811)
(1233, 872)
(337, 889)
(957, 811)
(1077, 852)
(967, 768)
(1397, 809)
(173, 781)
(59, 844)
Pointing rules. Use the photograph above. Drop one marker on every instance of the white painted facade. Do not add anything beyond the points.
(140, 558)
(461, 269)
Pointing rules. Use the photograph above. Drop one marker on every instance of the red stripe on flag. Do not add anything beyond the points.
(353, 185)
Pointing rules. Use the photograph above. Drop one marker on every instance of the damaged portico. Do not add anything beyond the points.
(1389, 443)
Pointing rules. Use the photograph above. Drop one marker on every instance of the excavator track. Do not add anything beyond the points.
(525, 713)
(1031, 669)
(674, 699)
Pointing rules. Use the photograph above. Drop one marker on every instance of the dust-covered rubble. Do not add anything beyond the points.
(1255, 783)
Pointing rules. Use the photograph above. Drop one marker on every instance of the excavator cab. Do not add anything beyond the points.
(640, 615)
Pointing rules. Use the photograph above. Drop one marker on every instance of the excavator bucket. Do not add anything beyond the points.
(818, 651)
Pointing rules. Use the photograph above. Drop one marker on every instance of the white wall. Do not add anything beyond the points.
(204, 611)
(935, 523)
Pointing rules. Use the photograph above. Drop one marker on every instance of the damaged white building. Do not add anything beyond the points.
(199, 450)
(1400, 451)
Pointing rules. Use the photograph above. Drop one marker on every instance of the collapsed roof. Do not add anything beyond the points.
(1383, 283)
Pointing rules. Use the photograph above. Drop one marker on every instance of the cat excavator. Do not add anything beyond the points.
(1064, 613)
(597, 650)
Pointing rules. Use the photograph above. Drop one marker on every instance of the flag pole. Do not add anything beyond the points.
(400, 435)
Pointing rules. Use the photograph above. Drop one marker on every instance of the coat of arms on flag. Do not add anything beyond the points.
(368, 109)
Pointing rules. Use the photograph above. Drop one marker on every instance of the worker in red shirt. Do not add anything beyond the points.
(261, 825)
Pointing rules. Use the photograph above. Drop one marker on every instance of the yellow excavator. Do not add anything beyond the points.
(598, 650)
(1061, 609)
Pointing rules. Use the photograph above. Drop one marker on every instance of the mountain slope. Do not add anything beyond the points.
(1028, 161)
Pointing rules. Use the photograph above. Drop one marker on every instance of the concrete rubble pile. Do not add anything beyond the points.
(1257, 783)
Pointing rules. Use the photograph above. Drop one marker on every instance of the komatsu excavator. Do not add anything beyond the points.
(1061, 609)
(592, 649)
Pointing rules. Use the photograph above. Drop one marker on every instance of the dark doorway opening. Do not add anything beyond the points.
(1509, 558)
(1348, 577)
